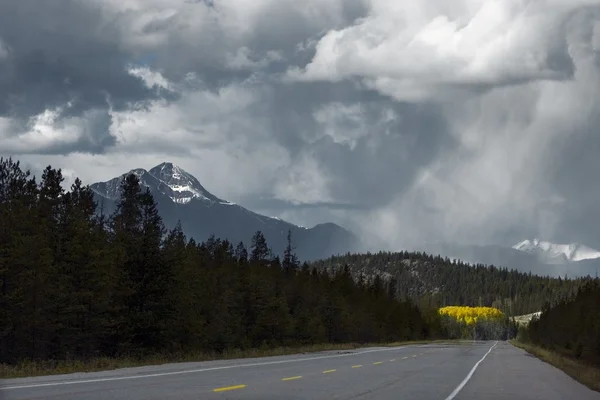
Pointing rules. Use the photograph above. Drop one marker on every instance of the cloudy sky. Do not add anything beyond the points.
(459, 120)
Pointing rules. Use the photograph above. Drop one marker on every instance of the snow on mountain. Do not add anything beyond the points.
(557, 253)
(181, 199)
(169, 179)
(181, 186)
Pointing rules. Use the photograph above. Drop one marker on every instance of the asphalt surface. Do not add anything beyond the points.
(470, 370)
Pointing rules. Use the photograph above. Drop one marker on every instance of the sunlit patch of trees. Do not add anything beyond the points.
(480, 323)
(472, 315)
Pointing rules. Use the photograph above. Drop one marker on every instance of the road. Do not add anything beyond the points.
(469, 370)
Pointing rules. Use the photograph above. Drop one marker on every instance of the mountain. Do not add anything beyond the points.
(181, 197)
(543, 258)
(552, 253)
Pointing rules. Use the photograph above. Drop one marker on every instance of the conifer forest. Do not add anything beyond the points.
(76, 283)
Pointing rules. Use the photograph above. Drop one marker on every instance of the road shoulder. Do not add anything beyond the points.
(581, 372)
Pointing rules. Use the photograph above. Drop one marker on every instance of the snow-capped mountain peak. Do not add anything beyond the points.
(173, 175)
(179, 185)
(557, 253)
(167, 178)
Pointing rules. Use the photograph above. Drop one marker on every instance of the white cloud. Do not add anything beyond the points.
(417, 52)
(149, 77)
(45, 130)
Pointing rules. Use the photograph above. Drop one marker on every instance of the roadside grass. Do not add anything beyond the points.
(28, 368)
(580, 371)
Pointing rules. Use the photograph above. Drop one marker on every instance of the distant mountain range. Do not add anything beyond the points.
(535, 256)
(552, 253)
(181, 197)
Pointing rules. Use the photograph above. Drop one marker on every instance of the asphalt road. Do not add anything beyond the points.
(470, 370)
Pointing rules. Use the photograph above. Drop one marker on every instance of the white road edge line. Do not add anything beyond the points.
(192, 371)
(468, 377)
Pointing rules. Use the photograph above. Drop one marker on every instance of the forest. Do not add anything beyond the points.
(432, 282)
(77, 284)
(571, 327)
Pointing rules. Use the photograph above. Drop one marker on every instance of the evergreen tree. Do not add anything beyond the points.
(18, 262)
(143, 277)
(290, 260)
(570, 326)
(241, 254)
(260, 249)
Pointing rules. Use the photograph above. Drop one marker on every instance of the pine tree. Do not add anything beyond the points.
(290, 260)
(241, 254)
(18, 261)
(260, 250)
(51, 286)
(154, 279)
(85, 302)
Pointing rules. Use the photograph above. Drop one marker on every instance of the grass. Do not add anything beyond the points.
(580, 371)
(53, 367)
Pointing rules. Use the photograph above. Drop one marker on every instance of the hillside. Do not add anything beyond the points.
(548, 259)
(434, 281)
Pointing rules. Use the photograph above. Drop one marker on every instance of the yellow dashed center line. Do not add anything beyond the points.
(377, 363)
(356, 366)
(223, 389)
(328, 371)
(292, 378)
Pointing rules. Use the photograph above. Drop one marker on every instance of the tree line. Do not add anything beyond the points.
(76, 283)
(570, 327)
(433, 282)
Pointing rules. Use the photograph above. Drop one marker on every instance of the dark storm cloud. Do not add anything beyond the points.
(386, 160)
(281, 28)
(479, 122)
(61, 52)
(68, 51)
(574, 171)
(386, 156)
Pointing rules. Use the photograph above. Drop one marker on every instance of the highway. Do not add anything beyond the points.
(468, 370)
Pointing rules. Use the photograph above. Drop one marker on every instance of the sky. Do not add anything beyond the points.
(467, 121)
